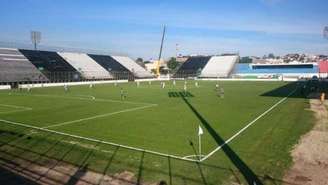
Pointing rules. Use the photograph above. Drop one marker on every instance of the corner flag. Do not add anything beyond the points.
(200, 131)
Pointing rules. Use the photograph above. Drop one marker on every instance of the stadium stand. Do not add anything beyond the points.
(112, 66)
(51, 65)
(15, 67)
(219, 66)
(192, 67)
(88, 68)
(133, 67)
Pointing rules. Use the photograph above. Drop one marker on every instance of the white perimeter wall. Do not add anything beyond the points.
(4, 87)
(70, 83)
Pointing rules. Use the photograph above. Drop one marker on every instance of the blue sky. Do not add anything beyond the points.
(132, 27)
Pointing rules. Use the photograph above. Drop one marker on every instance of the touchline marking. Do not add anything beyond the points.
(15, 107)
(191, 156)
(97, 141)
(88, 96)
(99, 116)
(248, 125)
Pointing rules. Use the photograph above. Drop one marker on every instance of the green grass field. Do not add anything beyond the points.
(161, 120)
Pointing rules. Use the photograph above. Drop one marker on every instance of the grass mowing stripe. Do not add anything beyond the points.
(248, 125)
(99, 116)
(98, 141)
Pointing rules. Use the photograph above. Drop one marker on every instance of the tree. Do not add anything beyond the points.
(172, 64)
(140, 62)
(246, 60)
(153, 71)
(271, 56)
(163, 71)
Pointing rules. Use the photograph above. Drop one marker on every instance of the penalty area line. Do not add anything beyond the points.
(97, 141)
(247, 126)
(99, 116)
(20, 108)
(77, 97)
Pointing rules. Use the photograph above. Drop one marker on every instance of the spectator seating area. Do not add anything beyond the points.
(133, 67)
(21, 65)
(207, 66)
(192, 67)
(219, 66)
(112, 66)
(52, 65)
(15, 67)
(86, 66)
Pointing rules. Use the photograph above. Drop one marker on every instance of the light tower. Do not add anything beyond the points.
(158, 62)
(35, 38)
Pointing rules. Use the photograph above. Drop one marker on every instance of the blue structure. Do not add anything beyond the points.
(246, 69)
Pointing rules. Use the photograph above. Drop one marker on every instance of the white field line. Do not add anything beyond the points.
(97, 141)
(16, 106)
(191, 156)
(147, 105)
(88, 96)
(22, 108)
(99, 116)
(247, 126)
(88, 99)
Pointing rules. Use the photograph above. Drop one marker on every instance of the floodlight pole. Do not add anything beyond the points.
(162, 42)
(35, 38)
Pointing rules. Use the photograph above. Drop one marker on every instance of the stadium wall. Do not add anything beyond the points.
(71, 83)
(4, 87)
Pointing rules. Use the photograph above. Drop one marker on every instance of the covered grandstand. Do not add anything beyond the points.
(133, 67)
(15, 67)
(51, 65)
(88, 68)
(112, 66)
(192, 67)
(208, 66)
(219, 66)
(34, 66)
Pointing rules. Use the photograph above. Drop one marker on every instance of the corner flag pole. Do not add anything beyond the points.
(200, 133)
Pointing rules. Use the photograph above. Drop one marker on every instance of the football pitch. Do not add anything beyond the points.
(249, 129)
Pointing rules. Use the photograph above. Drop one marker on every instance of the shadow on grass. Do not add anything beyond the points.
(55, 161)
(180, 94)
(304, 88)
(248, 174)
(286, 89)
(165, 169)
(74, 179)
(198, 165)
(105, 171)
(9, 178)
